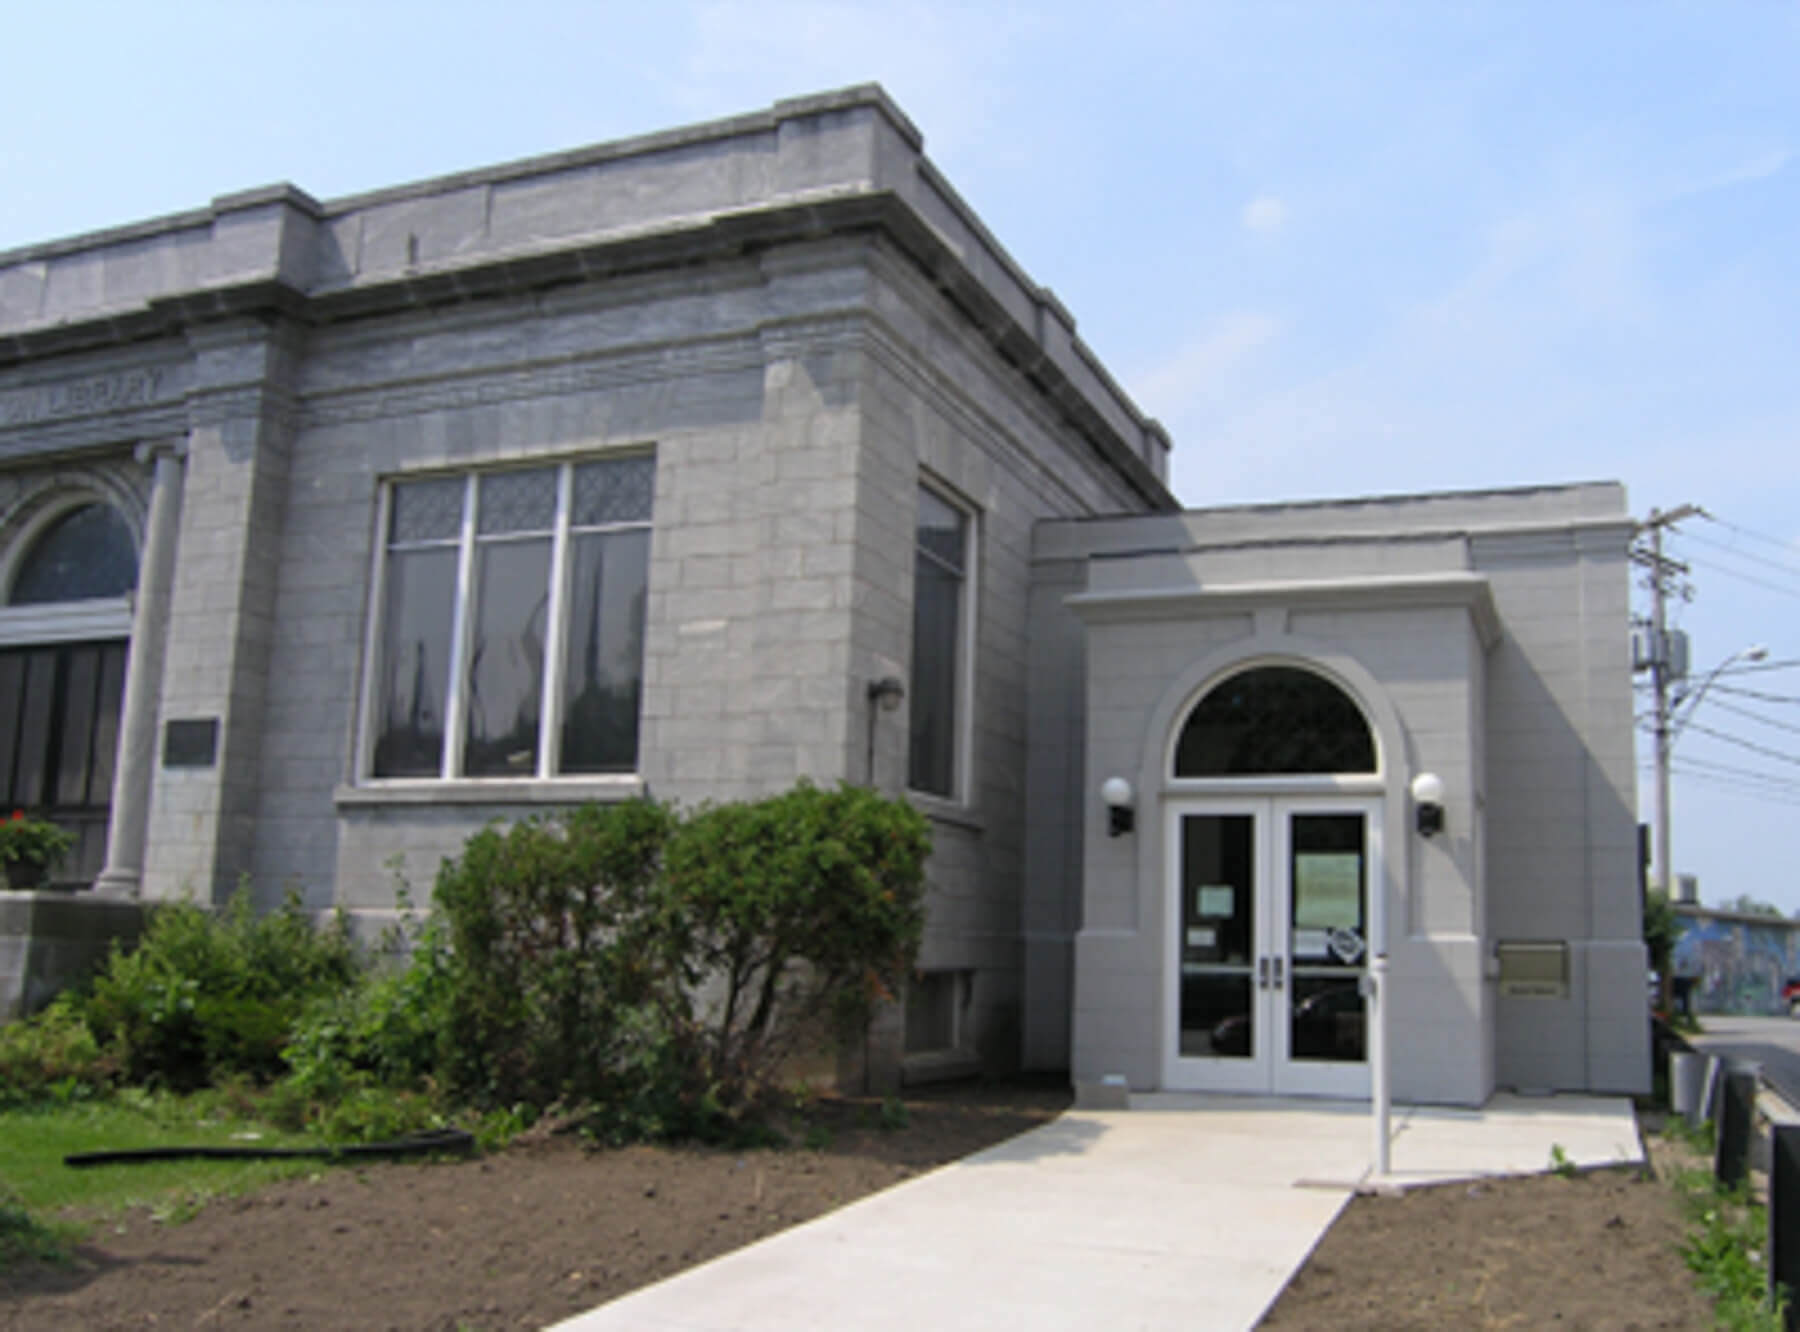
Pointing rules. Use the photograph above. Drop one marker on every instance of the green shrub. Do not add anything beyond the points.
(786, 913)
(651, 968)
(552, 945)
(208, 993)
(23, 1238)
(52, 1056)
(659, 969)
(391, 1025)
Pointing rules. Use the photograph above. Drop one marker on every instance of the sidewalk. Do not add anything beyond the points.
(1186, 1212)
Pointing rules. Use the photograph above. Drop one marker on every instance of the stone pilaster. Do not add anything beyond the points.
(221, 613)
(130, 817)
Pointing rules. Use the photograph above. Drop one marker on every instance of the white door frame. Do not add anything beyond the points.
(1270, 1067)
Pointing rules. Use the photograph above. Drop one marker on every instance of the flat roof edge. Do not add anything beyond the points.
(870, 95)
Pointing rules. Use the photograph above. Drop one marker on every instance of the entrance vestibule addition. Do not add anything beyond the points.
(1273, 853)
(1269, 925)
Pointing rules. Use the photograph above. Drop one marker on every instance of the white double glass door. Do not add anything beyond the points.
(1269, 931)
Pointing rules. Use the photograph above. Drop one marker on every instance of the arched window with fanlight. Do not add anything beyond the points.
(62, 676)
(1274, 721)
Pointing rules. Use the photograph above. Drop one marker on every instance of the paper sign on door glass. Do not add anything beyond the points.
(1216, 899)
(1327, 890)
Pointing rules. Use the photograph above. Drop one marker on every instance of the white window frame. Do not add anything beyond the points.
(550, 713)
(962, 784)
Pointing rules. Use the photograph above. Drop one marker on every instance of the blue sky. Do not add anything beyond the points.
(1336, 247)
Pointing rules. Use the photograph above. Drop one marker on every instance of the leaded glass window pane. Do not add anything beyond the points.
(506, 658)
(85, 554)
(412, 680)
(1274, 720)
(604, 666)
(618, 490)
(427, 511)
(517, 502)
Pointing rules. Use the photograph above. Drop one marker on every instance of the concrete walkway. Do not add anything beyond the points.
(1186, 1212)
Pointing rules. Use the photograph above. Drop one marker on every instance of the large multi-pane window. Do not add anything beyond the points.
(941, 567)
(511, 634)
(60, 698)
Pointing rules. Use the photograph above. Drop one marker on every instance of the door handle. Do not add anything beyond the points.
(1277, 981)
(1262, 973)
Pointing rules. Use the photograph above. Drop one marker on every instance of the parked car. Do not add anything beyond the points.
(1790, 995)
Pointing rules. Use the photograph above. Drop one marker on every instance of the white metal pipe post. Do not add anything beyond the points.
(1378, 1006)
(1378, 1072)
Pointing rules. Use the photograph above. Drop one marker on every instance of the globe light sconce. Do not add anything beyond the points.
(1121, 816)
(1428, 803)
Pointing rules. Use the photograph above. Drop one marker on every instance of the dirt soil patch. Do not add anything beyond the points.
(521, 1238)
(545, 1230)
(1595, 1250)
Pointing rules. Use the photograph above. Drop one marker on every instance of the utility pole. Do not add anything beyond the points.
(1662, 573)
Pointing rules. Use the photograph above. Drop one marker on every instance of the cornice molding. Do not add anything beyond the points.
(640, 363)
(1470, 591)
(682, 243)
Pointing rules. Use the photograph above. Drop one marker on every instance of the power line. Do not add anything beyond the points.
(1748, 578)
(1770, 795)
(1756, 717)
(1764, 750)
(1792, 570)
(1751, 532)
(1759, 695)
(1732, 770)
(1727, 777)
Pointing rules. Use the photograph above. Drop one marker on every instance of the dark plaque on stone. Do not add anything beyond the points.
(191, 743)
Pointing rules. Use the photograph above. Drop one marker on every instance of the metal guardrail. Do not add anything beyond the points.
(1757, 1126)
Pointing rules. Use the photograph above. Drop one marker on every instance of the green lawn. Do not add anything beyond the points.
(33, 1143)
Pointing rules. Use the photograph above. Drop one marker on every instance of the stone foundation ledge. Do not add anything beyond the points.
(51, 940)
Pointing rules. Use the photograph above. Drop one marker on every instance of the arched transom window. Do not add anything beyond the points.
(1273, 721)
(86, 553)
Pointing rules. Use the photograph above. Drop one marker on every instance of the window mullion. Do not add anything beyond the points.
(372, 640)
(964, 781)
(551, 707)
(462, 617)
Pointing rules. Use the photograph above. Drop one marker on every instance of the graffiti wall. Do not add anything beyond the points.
(1738, 962)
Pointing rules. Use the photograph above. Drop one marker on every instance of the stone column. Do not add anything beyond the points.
(130, 816)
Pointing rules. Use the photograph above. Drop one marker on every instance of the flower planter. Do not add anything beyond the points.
(24, 878)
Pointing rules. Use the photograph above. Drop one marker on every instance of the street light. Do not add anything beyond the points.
(1755, 652)
(1665, 744)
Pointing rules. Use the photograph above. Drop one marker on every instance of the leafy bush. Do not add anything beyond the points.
(52, 1056)
(785, 913)
(391, 1025)
(205, 994)
(1726, 1242)
(553, 946)
(659, 969)
(23, 1238)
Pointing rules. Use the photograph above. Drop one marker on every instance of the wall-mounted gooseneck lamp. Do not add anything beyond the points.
(887, 692)
(1428, 803)
(885, 695)
(1121, 815)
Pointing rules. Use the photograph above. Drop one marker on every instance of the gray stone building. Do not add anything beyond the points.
(705, 461)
